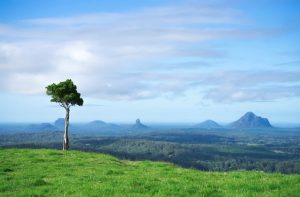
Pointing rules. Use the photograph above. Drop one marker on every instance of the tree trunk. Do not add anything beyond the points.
(66, 137)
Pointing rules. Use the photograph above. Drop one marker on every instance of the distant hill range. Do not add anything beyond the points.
(247, 121)
(60, 123)
(41, 127)
(208, 124)
(139, 126)
(99, 125)
(250, 120)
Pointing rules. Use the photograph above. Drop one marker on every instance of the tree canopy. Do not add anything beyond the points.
(64, 93)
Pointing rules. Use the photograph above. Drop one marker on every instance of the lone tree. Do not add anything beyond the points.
(65, 93)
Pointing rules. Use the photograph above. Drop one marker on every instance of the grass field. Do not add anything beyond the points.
(26, 172)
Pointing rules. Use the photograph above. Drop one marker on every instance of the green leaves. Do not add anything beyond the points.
(64, 93)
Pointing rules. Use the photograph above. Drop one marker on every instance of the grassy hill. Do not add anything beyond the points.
(26, 172)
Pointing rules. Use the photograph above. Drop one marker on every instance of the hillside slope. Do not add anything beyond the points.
(250, 120)
(208, 124)
(25, 172)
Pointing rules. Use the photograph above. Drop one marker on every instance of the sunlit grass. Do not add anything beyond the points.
(25, 172)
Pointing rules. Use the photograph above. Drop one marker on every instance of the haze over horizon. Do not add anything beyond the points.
(161, 61)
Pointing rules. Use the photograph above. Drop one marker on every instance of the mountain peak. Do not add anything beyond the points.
(59, 123)
(249, 113)
(208, 124)
(139, 125)
(250, 120)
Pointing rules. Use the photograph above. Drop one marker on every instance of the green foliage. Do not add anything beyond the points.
(211, 153)
(64, 93)
(210, 157)
(25, 172)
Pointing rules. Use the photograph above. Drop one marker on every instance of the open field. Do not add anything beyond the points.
(42, 172)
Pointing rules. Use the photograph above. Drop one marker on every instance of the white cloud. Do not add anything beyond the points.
(108, 54)
(240, 86)
(96, 49)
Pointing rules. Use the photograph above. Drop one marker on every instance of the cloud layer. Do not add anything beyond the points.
(127, 55)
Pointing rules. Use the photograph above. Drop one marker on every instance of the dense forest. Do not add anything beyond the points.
(275, 150)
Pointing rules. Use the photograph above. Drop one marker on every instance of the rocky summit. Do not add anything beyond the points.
(250, 120)
(139, 125)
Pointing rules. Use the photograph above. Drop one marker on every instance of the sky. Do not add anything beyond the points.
(160, 61)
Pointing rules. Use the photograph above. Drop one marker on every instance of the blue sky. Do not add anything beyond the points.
(161, 61)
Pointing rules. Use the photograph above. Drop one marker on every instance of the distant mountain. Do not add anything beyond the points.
(139, 126)
(250, 120)
(100, 125)
(41, 127)
(97, 123)
(59, 123)
(208, 124)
